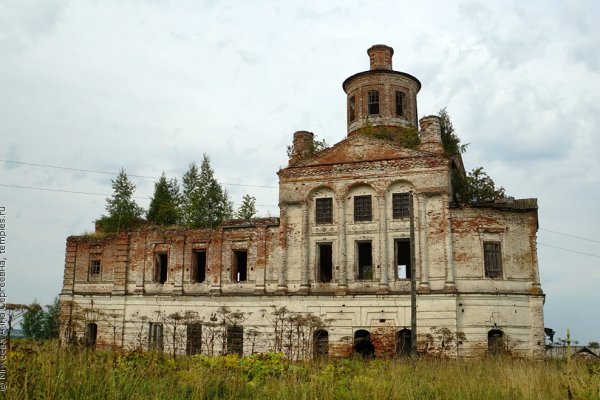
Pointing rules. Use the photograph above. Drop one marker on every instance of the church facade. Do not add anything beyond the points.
(332, 275)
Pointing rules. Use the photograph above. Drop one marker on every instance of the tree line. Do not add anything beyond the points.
(199, 202)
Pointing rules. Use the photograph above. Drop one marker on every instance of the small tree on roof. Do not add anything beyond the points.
(122, 209)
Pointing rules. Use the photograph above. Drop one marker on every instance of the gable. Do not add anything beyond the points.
(359, 148)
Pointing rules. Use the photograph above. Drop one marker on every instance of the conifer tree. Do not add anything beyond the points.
(247, 210)
(164, 206)
(205, 203)
(122, 209)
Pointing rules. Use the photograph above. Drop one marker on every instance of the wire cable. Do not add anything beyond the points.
(116, 173)
(569, 235)
(572, 251)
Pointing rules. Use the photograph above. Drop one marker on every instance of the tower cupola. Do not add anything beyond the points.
(381, 98)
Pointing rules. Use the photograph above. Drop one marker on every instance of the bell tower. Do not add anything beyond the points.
(381, 98)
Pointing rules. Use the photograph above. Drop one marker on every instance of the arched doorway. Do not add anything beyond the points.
(495, 342)
(363, 344)
(403, 342)
(320, 343)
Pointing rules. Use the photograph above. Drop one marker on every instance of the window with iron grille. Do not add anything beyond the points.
(399, 103)
(351, 106)
(95, 267)
(492, 259)
(400, 205)
(362, 208)
(324, 210)
(373, 102)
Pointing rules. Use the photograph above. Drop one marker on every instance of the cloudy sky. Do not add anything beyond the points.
(152, 85)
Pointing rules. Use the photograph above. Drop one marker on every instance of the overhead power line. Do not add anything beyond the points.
(572, 251)
(569, 235)
(116, 173)
(94, 194)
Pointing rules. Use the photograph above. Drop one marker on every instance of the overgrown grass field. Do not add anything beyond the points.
(37, 370)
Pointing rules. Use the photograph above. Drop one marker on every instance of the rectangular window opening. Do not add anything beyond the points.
(324, 210)
(194, 339)
(325, 254)
(160, 267)
(399, 103)
(362, 208)
(373, 102)
(351, 107)
(492, 259)
(403, 258)
(155, 337)
(95, 267)
(199, 266)
(365, 260)
(240, 266)
(400, 205)
(235, 340)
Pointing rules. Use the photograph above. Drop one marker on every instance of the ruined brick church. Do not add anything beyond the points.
(331, 275)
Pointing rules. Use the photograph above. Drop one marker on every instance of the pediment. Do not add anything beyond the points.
(360, 148)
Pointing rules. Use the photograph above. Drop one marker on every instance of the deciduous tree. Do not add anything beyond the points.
(247, 210)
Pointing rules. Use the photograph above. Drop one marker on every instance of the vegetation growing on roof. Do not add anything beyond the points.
(405, 136)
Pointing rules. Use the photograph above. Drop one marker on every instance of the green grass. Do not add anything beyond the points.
(46, 371)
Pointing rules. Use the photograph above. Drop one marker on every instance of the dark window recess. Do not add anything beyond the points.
(91, 335)
(194, 339)
(240, 266)
(400, 205)
(495, 342)
(403, 266)
(160, 267)
(324, 210)
(155, 337)
(95, 267)
(399, 103)
(362, 208)
(320, 343)
(325, 262)
(363, 344)
(373, 102)
(199, 266)
(403, 342)
(492, 259)
(365, 260)
(235, 340)
(351, 109)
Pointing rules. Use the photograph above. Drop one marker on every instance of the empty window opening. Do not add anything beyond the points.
(320, 343)
(365, 260)
(240, 266)
(373, 102)
(194, 339)
(403, 257)
(400, 205)
(95, 268)
(155, 337)
(199, 266)
(495, 342)
(362, 208)
(351, 109)
(399, 103)
(91, 335)
(325, 254)
(160, 267)
(403, 342)
(492, 259)
(363, 344)
(235, 340)
(324, 210)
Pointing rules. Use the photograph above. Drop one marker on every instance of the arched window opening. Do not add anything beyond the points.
(403, 342)
(495, 342)
(320, 343)
(363, 344)
(91, 335)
